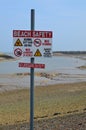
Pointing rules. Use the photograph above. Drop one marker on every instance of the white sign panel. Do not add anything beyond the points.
(32, 43)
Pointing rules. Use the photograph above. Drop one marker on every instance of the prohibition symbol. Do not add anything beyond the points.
(37, 53)
(18, 52)
(37, 42)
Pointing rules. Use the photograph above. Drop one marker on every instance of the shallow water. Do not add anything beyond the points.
(60, 68)
(56, 63)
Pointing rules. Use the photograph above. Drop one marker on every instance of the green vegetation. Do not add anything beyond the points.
(49, 101)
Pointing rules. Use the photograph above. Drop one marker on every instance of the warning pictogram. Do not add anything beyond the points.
(18, 43)
(37, 53)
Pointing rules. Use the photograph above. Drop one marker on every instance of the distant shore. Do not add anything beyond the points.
(70, 52)
(5, 57)
(55, 53)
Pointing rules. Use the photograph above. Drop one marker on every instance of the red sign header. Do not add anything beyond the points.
(30, 65)
(33, 34)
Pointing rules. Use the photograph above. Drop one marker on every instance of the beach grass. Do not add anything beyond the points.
(49, 101)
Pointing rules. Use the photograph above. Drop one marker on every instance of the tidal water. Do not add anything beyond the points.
(59, 64)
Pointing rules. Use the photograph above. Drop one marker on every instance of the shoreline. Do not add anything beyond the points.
(15, 81)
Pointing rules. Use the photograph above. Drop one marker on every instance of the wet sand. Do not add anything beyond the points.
(22, 80)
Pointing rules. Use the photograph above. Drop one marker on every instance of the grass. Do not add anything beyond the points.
(49, 101)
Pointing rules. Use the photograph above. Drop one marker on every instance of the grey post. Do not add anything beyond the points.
(32, 78)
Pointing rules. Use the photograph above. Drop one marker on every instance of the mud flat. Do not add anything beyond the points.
(9, 82)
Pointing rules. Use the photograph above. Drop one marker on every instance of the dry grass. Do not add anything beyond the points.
(49, 101)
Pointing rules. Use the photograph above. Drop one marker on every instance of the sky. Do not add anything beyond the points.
(65, 18)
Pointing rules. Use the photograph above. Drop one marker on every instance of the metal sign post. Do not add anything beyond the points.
(31, 95)
(32, 43)
(32, 78)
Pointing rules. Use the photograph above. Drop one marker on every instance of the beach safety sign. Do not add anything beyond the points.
(32, 43)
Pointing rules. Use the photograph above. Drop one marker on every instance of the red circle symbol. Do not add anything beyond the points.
(18, 52)
(37, 42)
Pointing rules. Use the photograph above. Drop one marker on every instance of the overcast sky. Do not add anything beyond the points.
(66, 18)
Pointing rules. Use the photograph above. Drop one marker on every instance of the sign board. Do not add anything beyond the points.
(32, 43)
(30, 65)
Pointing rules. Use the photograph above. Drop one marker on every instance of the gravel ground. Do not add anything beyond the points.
(69, 122)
